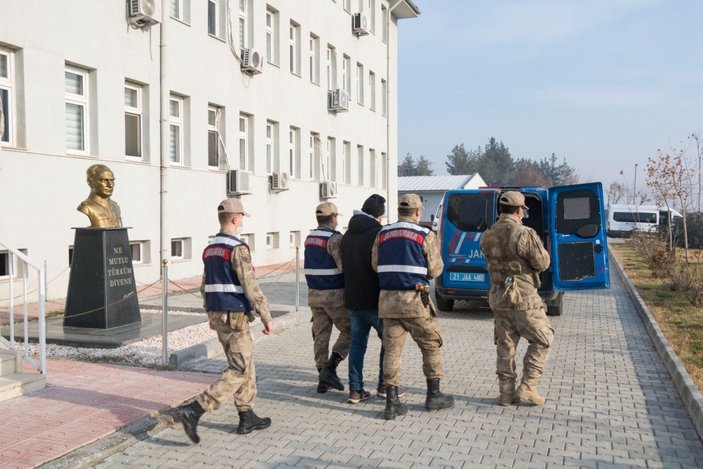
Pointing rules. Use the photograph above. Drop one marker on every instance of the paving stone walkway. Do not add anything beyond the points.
(610, 403)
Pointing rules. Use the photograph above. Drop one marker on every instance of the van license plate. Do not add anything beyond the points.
(466, 277)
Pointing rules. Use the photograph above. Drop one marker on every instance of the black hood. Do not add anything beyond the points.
(361, 222)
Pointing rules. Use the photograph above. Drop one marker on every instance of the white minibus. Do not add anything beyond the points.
(623, 219)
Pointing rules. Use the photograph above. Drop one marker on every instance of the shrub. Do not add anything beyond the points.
(694, 228)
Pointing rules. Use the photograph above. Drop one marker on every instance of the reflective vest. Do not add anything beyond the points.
(321, 271)
(401, 262)
(223, 290)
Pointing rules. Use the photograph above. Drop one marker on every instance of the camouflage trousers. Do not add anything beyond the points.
(534, 326)
(239, 379)
(425, 332)
(328, 310)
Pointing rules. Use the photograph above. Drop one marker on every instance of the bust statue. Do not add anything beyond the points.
(102, 212)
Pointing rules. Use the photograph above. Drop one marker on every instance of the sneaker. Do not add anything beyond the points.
(381, 391)
(357, 396)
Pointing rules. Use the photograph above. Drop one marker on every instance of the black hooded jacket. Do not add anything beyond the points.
(360, 280)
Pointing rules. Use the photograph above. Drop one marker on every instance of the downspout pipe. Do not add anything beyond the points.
(388, 106)
(164, 243)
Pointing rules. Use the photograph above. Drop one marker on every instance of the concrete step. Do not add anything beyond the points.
(18, 384)
(8, 362)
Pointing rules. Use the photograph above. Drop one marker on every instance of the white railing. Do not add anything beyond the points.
(41, 301)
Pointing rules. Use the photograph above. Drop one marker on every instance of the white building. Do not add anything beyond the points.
(233, 88)
(431, 189)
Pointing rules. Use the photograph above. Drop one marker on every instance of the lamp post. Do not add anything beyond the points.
(634, 189)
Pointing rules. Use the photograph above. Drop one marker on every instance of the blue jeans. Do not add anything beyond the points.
(361, 323)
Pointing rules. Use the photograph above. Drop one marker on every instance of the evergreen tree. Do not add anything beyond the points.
(460, 162)
(422, 168)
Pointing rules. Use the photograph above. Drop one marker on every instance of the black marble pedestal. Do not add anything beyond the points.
(101, 290)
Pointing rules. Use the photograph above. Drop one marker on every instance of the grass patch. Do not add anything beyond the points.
(681, 322)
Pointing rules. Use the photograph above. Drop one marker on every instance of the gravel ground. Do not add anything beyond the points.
(146, 352)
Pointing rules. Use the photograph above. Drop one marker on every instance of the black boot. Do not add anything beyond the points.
(321, 385)
(435, 399)
(393, 405)
(328, 375)
(249, 421)
(189, 416)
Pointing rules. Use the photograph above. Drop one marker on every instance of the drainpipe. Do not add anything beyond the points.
(388, 107)
(164, 244)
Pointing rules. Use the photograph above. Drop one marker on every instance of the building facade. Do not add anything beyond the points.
(283, 103)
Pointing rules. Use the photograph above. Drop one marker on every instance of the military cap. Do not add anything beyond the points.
(231, 206)
(326, 209)
(409, 201)
(513, 198)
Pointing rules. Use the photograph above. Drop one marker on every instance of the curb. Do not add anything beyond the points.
(212, 347)
(689, 393)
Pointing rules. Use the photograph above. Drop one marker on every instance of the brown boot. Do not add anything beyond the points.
(528, 392)
(507, 393)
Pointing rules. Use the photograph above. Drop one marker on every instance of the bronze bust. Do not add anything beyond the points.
(102, 212)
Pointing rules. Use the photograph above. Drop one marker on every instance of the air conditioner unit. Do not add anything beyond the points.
(237, 182)
(251, 61)
(280, 181)
(338, 100)
(328, 190)
(144, 12)
(360, 24)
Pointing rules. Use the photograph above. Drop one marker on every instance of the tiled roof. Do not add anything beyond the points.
(432, 183)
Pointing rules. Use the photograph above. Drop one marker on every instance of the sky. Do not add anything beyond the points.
(602, 83)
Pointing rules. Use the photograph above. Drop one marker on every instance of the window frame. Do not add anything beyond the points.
(294, 151)
(360, 160)
(215, 128)
(272, 36)
(137, 112)
(179, 123)
(384, 25)
(372, 90)
(346, 162)
(360, 80)
(8, 85)
(331, 67)
(314, 58)
(245, 163)
(314, 156)
(346, 73)
(373, 177)
(217, 20)
(294, 48)
(384, 98)
(182, 14)
(83, 101)
(331, 159)
(243, 23)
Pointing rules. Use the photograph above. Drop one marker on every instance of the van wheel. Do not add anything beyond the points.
(554, 307)
(443, 304)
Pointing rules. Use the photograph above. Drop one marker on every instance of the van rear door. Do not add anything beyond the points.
(579, 246)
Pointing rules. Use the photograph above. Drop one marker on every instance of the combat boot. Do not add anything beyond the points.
(435, 399)
(507, 393)
(321, 385)
(189, 415)
(249, 421)
(528, 392)
(393, 405)
(328, 375)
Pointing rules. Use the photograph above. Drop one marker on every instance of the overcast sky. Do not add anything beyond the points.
(602, 83)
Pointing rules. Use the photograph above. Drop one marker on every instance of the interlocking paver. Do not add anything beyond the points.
(610, 402)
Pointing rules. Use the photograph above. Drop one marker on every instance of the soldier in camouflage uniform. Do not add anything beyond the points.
(323, 273)
(406, 256)
(515, 256)
(231, 293)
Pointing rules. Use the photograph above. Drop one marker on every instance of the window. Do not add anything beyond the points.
(314, 59)
(372, 167)
(384, 170)
(384, 26)
(360, 157)
(294, 239)
(331, 67)
(293, 48)
(215, 18)
(133, 120)
(243, 24)
(214, 120)
(372, 90)
(330, 164)
(7, 95)
(359, 83)
(245, 162)
(178, 9)
(271, 240)
(272, 160)
(294, 152)
(346, 162)
(180, 248)
(271, 36)
(347, 6)
(384, 98)
(372, 16)
(175, 123)
(76, 85)
(140, 252)
(16, 268)
(249, 239)
(346, 73)
(314, 156)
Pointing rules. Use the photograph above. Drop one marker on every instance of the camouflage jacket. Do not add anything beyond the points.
(408, 303)
(515, 256)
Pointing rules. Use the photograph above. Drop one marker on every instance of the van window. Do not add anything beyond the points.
(575, 210)
(635, 217)
(471, 212)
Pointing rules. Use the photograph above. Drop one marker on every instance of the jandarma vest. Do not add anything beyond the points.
(321, 271)
(223, 290)
(401, 262)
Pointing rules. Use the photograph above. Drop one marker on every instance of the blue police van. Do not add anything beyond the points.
(569, 219)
